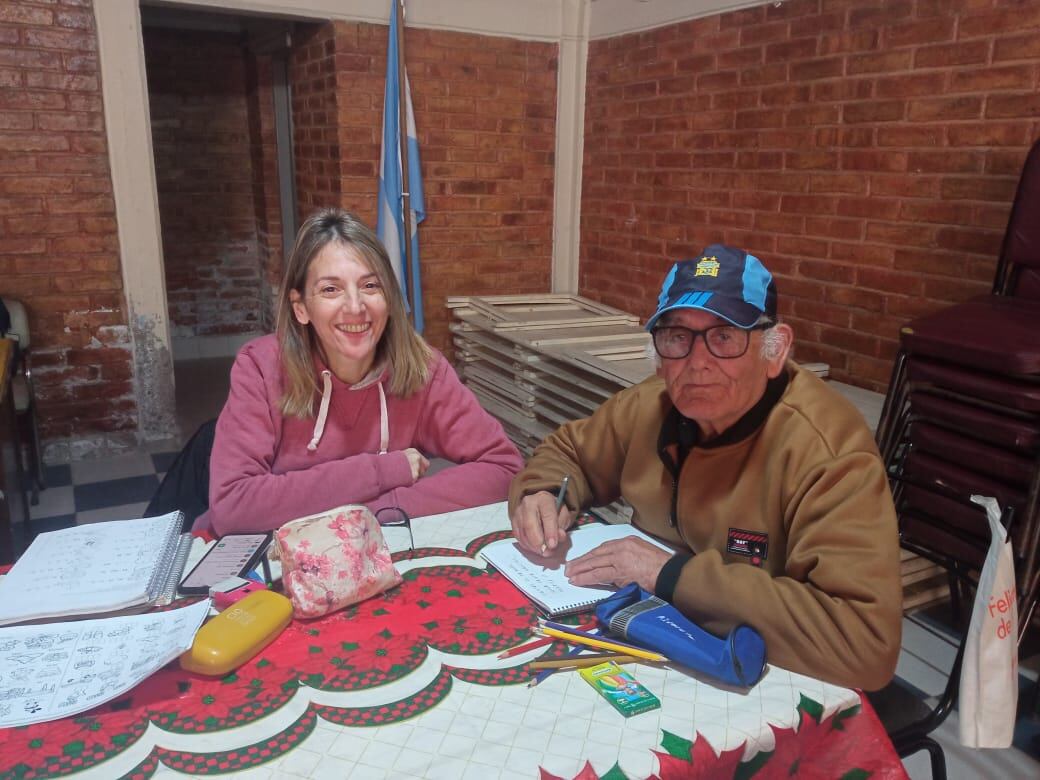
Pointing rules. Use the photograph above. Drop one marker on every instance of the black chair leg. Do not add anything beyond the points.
(938, 759)
(37, 452)
(935, 754)
(895, 400)
(30, 453)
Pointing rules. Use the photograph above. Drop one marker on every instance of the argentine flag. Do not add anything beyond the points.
(390, 222)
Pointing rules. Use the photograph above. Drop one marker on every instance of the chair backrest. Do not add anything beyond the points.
(19, 329)
(186, 484)
(1018, 272)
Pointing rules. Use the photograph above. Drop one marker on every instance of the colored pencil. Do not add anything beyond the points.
(544, 673)
(545, 640)
(580, 631)
(592, 641)
(581, 661)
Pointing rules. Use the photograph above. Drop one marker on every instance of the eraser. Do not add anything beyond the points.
(226, 599)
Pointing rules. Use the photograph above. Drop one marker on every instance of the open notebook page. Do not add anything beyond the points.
(99, 567)
(542, 579)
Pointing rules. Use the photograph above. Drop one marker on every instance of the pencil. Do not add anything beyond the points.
(580, 631)
(545, 640)
(581, 661)
(618, 647)
(546, 672)
(561, 497)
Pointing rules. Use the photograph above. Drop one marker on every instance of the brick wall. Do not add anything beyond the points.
(58, 241)
(485, 112)
(204, 175)
(315, 138)
(867, 151)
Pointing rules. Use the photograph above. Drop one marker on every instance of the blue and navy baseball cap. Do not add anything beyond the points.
(724, 281)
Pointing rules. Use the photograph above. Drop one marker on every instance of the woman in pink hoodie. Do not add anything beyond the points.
(345, 402)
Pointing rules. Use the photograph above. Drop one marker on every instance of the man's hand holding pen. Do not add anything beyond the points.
(541, 520)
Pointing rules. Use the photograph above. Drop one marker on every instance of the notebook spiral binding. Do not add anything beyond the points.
(162, 588)
(169, 591)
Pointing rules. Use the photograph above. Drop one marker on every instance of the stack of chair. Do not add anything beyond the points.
(962, 416)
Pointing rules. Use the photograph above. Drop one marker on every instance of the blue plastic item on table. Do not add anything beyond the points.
(640, 617)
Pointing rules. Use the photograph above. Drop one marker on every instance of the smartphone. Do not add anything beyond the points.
(230, 556)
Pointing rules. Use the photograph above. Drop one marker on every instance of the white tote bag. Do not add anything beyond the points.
(989, 674)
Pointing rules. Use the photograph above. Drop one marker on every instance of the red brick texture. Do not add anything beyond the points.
(197, 93)
(59, 251)
(485, 112)
(315, 137)
(867, 151)
(485, 108)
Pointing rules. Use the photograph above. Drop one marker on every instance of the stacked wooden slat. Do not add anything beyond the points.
(538, 361)
(923, 582)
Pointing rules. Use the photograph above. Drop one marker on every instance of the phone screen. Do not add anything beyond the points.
(230, 556)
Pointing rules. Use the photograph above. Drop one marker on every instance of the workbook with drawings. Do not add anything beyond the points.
(95, 569)
(542, 579)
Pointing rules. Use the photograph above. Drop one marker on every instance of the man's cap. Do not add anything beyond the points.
(724, 281)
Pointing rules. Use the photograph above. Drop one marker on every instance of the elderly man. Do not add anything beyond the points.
(766, 480)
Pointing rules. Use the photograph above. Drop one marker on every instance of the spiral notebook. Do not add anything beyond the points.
(542, 579)
(96, 569)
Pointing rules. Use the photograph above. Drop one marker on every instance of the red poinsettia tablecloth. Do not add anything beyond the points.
(415, 674)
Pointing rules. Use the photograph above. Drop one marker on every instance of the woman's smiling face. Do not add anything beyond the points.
(343, 301)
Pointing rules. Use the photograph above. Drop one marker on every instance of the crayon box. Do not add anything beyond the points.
(620, 688)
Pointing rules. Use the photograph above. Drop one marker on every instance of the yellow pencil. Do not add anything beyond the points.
(581, 661)
(602, 645)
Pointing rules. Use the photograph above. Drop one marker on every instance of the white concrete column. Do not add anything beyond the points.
(570, 143)
(124, 88)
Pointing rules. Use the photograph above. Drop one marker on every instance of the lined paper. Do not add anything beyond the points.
(542, 579)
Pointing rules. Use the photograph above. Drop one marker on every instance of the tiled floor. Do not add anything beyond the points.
(93, 490)
(120, 487)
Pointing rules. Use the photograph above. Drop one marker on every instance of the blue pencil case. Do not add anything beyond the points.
(738, 659)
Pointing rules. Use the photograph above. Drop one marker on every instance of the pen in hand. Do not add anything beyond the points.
(561, 498)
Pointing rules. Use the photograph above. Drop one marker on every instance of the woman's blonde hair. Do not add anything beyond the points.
(406, 353)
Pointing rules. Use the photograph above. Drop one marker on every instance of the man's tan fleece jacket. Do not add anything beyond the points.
(798, 478)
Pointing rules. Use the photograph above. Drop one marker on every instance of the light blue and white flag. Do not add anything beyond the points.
(390, 222)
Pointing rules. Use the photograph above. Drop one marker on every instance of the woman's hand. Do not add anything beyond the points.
(417, 461)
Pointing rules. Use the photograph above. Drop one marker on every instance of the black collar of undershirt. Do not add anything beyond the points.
(685, 434)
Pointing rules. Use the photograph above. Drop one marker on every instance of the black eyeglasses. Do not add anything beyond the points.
(390, 516)
(723, 341)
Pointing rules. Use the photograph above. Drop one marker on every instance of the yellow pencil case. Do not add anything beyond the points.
(238, 633)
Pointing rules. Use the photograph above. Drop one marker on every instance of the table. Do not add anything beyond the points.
(409, 685)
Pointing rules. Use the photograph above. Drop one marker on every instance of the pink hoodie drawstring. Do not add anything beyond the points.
(323, 410)
(384, 421)
(323, 413)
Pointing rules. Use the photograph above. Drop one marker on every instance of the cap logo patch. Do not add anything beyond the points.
(707, 266)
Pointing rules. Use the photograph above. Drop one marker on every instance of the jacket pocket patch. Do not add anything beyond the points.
(753, 545)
